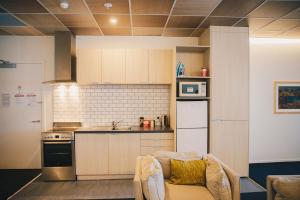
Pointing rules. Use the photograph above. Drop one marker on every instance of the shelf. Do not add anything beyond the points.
(192, 98)
(193, 77)
(192, 48)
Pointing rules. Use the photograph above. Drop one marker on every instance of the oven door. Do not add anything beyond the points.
(58, 160)
(57, 153)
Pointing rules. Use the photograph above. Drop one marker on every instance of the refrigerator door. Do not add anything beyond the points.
(192, 140)
(191, 114)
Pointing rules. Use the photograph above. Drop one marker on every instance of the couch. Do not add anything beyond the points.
(188, 192)
(282, 187)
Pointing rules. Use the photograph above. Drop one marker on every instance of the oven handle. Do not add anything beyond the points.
(57, 142)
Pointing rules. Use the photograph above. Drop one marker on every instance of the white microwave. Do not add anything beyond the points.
(192, 89)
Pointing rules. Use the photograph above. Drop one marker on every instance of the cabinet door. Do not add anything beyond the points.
(91, 154)
(123, 150)
(229, 143)
(230, 75)
(192, 140)
(160, 66)
(113, 66)
(88, 66)
(137, 61)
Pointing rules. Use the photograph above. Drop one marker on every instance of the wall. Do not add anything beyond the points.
(273, 137)
(99, 105)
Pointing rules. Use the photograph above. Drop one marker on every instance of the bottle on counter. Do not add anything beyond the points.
(141, 121)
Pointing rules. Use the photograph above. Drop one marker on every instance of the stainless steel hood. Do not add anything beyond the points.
(65, 58)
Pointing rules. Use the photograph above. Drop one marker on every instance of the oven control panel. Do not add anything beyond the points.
(57, 136)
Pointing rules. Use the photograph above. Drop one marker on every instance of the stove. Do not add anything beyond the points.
(58, 152)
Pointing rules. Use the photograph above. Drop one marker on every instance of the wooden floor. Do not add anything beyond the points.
(100, 189)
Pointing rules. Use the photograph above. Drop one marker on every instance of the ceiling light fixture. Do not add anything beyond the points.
(108, 5)
(113, 20)
(64, 4)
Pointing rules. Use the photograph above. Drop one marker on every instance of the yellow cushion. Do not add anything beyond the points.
(188, 172)
(186, 192)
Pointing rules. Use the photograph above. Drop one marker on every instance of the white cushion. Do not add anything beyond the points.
(152, 179)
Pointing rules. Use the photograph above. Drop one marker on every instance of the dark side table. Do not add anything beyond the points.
(251, 190)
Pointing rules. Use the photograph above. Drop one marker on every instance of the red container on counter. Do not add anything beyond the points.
(147, 123)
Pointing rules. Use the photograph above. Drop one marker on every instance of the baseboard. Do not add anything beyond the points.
(103, 177)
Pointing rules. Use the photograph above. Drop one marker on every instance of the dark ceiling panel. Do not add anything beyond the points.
(151, 7)
(254, 23)
(9, 20)
(77, 20)
(2, 10)
(282, 25)
(116, 31)
(295, 14)
(104, 21)
(236, 8)
(194, 7)
(184, 21)
(176, 32)
(24, 30)
(219, 21)
(85, 31)
(118, 6)
(40, 20)
(22, 6)
(149, 20)
(75, 7)
(274, 9)
(147, 31)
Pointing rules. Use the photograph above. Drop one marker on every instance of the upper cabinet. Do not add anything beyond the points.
(137, 65)
(113, 66)
(160, 66)
(124, 66)
(88, 66)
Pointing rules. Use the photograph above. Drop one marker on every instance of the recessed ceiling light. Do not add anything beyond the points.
(113, 20)
(108, 5)
(64, 4)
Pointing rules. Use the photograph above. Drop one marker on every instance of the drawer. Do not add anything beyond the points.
(150, 143)
(166, 143)
(151, 150)
(157, 136)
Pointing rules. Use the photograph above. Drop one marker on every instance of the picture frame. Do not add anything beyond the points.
(287, 97)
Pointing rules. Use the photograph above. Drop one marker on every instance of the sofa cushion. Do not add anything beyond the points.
(216, 180)
(152, 179)
(188, 172)
(188, 192)
(287, 188)
(164, 157)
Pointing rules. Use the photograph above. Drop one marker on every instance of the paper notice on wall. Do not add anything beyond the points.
(5, 99)
(20, 99)
(31, 98)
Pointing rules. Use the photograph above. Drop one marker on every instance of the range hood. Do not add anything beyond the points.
(65, 58)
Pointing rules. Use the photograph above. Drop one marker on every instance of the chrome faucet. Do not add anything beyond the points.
(114, 124)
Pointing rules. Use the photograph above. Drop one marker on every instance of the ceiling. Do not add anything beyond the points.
(182, 18)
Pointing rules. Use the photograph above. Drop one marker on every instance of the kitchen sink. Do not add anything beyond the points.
(121, 128)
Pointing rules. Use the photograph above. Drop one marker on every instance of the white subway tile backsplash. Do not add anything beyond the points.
(99, 105)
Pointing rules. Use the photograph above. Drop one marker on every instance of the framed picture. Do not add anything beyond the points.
(287, 97)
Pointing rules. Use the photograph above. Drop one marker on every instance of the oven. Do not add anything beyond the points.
(58, 159)
(58, 155)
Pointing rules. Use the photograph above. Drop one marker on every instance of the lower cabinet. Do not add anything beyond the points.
(91, 152)
(106, 155)
(123, 150)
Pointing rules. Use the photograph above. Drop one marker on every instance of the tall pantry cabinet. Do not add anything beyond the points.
(229, 108)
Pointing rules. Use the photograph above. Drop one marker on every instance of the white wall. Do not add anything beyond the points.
(273, 137)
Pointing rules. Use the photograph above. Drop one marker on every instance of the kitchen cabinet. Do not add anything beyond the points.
(123, 150)
(152, 142)
(137, 62)
(92, 154)
(88, 66)
(160, 66)
(113, 66)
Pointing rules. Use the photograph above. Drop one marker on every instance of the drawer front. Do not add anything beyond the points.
(151, 150)
(166, 143)
(150, 143)
(157, 136)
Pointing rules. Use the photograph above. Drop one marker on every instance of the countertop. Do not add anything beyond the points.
(133, 129)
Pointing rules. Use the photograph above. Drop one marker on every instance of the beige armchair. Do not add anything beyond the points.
(283, 187)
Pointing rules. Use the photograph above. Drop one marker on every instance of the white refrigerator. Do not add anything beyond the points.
(192, 126)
